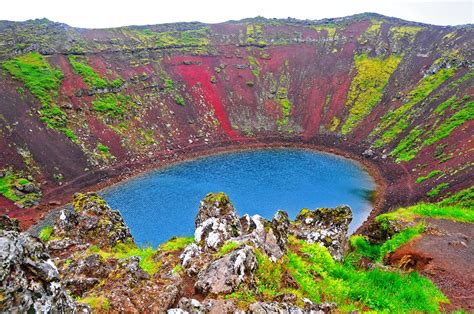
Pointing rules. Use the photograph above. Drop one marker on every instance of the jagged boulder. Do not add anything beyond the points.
(29, 278)
(270, 237)
(226, 273)
(327, 226)
(92, 221)
(216, 221)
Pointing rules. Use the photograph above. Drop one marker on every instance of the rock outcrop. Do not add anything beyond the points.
(327, 226)
(30, 281)
(227, 273)
(99, 264)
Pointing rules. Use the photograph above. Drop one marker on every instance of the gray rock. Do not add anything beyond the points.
(216, 222)
(226, 273)
(326, 226)
(29, 278)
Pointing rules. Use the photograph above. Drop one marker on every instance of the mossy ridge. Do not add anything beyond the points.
(43, 82)
(254, 36)
(396, 121)
(97, 303)
(254, 66)
(432, 174)
(114, 107)
(367, 86)
(176, 244)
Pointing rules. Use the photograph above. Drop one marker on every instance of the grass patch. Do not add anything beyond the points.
(320, 277)
(175, 244)
(457, 207)
(432, 174)
(190, 38)
(227, 247)
(96, 302)
(90, 76)
(330, 29)
(45, 233)
(254, 66)
(127, 250)
(43, 82)
(367, 86)
(377, 252)
(436, 190)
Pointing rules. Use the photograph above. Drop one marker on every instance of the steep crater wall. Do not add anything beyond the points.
(82, 108)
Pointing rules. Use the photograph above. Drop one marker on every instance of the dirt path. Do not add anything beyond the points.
(445, 254)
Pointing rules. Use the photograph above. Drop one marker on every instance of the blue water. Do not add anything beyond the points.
(164, 203)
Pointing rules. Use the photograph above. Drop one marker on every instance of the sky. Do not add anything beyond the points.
(112, 13)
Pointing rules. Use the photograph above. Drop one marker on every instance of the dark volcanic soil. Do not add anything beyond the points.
(445, 255)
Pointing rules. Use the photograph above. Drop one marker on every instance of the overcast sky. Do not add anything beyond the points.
(110, 13)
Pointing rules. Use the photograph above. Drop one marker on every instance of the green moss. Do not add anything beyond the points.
(418, 138)
(367, 86)
(190, 38)
(285, 106)
(436, 190)
(227, 247)
(268, 276)
(457, 119)
(396, 121)
(177, 269)
(7, 188)
(113, 106)
(330, 29)
(432, 174)
(176, 244)
(179, 100)
(254, 66)
(91, 77)
(399, 32)
(45, 233)
(43, 82)
(103, 148)
(127, 250)
(38, 76)
(96, 302)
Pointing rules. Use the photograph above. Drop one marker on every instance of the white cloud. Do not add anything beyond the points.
(110, 13)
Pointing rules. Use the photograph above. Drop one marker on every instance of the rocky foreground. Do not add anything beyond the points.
(88, 262)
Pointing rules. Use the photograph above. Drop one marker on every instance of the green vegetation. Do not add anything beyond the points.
(179, 100)
(285, 105)
(394, 122)
(418, 138)
(43, 82)
(7, 188)
(367, 87)
(399, 32)
(436, 190)
(457, 207)
(320, 277)
(38, 76)
(255, 35)
(377, 252)
(254, 66)
(457, 119)
(432, 174)
(127, 250)
(190, 38)
(91, 78)
(374, 28)
(175, 244)
(227, 247)
(45, 233)
(96, 302)
(113, 106)
(103, 148)
(329, 28)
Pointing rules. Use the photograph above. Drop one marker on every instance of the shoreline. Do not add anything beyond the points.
(192, 153)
